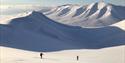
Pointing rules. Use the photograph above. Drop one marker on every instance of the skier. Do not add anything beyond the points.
(41, 55)
(77, 58)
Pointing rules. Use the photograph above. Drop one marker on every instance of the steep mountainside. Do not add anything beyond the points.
(93, 15)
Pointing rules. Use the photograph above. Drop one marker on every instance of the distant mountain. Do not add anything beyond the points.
(93, 15)
(36, 32)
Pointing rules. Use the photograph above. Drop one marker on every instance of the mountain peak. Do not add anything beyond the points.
(35, 13)
(101, 4)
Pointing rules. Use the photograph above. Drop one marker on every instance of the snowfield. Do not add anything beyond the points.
(107, 55)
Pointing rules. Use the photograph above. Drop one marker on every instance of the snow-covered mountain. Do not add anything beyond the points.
(37, 32)
(92, 15)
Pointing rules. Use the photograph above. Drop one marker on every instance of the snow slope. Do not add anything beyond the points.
(93, 15)
(32, 32)
(107, 55)
(120, 24)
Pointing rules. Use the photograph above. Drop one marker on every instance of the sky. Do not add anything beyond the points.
(58, 2)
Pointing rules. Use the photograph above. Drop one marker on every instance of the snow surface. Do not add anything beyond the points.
(120, 24)
(107, 55)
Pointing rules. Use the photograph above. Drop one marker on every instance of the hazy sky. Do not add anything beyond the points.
(58, 2)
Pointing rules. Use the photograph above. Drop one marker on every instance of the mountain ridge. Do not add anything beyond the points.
(99, 13)
(33, 31)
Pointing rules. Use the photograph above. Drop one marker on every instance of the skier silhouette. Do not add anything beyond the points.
(41, 55)
(77, 57)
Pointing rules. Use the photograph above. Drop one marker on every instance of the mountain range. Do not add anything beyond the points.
(97, 14)
(94, 26)
(37, 32)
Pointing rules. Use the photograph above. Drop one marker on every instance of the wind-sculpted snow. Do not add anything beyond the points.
(36, 32)
(97, 14)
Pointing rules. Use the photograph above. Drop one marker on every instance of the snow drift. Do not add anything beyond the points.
(36, 32)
